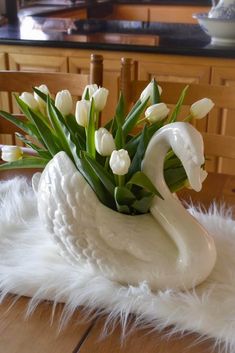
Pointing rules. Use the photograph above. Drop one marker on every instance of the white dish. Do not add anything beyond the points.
(222, 32)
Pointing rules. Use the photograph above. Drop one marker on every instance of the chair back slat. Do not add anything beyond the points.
(24, 81)
(216, 145)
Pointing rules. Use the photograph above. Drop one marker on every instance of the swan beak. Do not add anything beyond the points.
(193, 172)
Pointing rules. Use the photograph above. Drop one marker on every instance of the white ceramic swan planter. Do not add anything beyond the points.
(166, 248)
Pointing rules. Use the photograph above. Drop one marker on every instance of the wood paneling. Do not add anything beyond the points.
(223, 120)
(157, 13)
(39, 333)
(171, 72)
(143, 341)
(177, 68)
(41, 63)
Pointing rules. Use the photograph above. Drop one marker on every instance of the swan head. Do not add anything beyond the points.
(187, 144)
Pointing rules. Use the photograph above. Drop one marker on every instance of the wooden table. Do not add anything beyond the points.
(38, 335)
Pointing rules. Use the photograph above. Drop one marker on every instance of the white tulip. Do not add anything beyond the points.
(91, 90)
(157, 112)
(201, 108)
(104, 142)
(44, 89)
(148, 92)
(120, 162)
(100, 98)
(11, 153)
(82, 112)
(29, 99)
(64, 102)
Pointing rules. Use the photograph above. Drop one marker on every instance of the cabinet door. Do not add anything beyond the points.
(44, 63)
(222, 120)
(33, 62)
(111, 72)
(176, 14)
(130, 12)
(175, 72)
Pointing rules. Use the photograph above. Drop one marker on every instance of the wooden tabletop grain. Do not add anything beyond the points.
(39, 334)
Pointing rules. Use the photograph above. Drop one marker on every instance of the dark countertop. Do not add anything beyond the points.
(167, 2)
(136, 36)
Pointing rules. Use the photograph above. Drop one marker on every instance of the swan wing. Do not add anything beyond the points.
(84, 229)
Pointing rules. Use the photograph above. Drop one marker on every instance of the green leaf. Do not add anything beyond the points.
(119, 138)
(132, 118)
(132, 144)
(141, 179)
(143, 205)
(123, 209)
(41, 152)
(42, 95)
(86, 95)
(140, 151)
(90, 141)
(178, 106)
(91, 177)
(26, 162)
(76, 129)
(173, 162)
(174, 177)
(156, 94)
(25, 126)
(120, 111)
(123, 196)
(106, 178)
(24, 107)
(50, 141)
(57, 121)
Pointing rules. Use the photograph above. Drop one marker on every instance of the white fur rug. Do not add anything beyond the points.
(30, 265)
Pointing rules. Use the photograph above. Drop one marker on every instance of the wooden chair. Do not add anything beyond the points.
(21, 81)
(216, 145)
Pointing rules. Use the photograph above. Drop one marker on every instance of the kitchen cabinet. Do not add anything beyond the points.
(157, 13)
(71, 13)
(35, 62)
(110, 78)
(164, 67)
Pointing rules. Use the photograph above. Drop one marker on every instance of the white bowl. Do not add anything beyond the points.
(222, 32)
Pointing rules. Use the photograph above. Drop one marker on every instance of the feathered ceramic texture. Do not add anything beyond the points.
(166, 248)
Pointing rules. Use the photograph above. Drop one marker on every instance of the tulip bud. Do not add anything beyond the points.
(148, 92)
(44, 89)
(64, 102)
(11, 153)
(120, 162)
(29, 99)
(157, 112)
(100, 98)
(82, 112)
(91, 90)
(201, 108)
(104, 142)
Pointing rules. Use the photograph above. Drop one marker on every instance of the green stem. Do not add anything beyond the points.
(121, 180)
(97, 120)
(188, 118)
(106, 164)
(141, 121)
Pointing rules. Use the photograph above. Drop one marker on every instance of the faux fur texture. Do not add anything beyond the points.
(31, 266)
